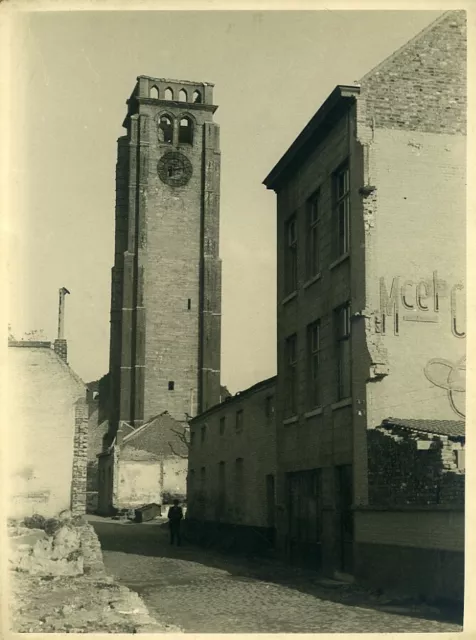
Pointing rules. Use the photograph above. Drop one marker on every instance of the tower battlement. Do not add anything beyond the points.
(186, 91)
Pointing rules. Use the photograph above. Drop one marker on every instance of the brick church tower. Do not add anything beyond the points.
(166, 279)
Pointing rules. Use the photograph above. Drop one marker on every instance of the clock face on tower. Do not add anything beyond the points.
(174, 169)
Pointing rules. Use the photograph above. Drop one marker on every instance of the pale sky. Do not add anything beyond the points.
(72, 75)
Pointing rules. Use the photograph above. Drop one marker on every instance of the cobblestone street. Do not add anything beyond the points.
(205, 592)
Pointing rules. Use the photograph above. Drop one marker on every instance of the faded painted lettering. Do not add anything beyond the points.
(422, 296)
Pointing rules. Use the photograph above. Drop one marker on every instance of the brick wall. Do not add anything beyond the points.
(422, 86)
(241, 501)
(80, 458)
(61, 349)
(427, 528)
(47, 432)
(410, 468)
(321, 438)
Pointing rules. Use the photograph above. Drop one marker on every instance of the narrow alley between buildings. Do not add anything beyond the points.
(203, 591)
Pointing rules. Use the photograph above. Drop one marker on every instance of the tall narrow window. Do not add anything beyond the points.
(291, 376)
(222, 425)
(154, 93)
(342, 326)
(312, 236)
(221, 477)
(169, 94)
(269, 407)
(166, 129)
(203, 433)
(186, 131)
(221, 502)
(313, 340)
(240, 498)
(290, 257)
(239, 420)
(197, 96)
(183, 95)
(203, 487)
(341, 210)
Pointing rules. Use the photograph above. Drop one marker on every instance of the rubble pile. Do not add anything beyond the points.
(59, 584)
(83, 604)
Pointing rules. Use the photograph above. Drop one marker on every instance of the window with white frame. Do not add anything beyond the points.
(239, 420)
(342, 328)
(291, 376)
(313, 348)
(290, 256)
(341, 188)
(312, 236)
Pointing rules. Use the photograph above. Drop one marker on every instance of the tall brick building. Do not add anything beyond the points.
(370, 310)
(166, 279)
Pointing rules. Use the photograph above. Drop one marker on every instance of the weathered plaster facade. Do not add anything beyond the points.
(232, 460)
(149, 464)
(48, 439)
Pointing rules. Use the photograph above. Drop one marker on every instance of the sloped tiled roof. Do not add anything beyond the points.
(158, 436)
(454, 428)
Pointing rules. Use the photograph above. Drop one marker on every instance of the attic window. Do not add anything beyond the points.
(171, 385)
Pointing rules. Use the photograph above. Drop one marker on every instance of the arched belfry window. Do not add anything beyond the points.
(197, 96)
(169, 94)
(166, 129)
(183, 95)
(186, 130)
(154, 93)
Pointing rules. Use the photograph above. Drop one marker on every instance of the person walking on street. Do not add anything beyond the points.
(175, 516)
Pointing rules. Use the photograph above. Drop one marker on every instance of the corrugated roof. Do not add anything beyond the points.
(454, 428)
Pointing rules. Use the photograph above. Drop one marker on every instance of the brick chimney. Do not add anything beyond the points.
(61, 346)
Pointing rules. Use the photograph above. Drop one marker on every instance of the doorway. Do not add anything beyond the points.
(304, 513)
(345, 519)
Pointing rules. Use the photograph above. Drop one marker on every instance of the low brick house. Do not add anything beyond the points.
(410, 536)
(232, 467)
(143, 465)
(48, 417)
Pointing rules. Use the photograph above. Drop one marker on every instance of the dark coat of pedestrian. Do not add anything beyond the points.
(175, 516)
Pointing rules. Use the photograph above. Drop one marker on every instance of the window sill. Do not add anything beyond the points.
(290, 420)
(342, 403)
(289, 297)
(340, 259)
(315, 412)
(312, 280)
